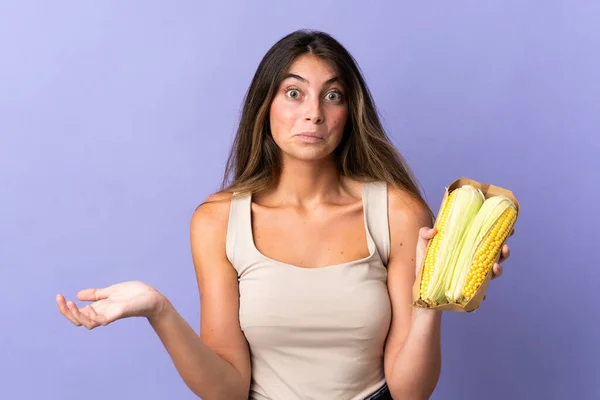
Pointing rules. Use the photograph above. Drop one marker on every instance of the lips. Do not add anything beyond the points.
(309, 137)
(313, 135)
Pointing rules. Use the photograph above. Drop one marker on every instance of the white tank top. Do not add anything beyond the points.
(314, 333)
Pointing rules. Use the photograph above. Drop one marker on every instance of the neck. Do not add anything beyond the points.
(306, 183)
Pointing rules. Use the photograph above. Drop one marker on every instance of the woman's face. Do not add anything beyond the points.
(309, 110)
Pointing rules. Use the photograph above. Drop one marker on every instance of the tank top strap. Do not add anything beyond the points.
(239, 229)
(376, 212)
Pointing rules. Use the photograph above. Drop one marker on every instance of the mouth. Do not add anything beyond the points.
(310, 137)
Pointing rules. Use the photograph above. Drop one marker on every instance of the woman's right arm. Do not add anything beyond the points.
(215, 365)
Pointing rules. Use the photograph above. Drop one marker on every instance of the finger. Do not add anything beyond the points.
(97, 318)
(91, 314)
(64, 309)
(505, 253)
(83, 319)
(86, 311)
(92, 294)
(427, 232)
(84, 316)
(497, 271)
(71, 307)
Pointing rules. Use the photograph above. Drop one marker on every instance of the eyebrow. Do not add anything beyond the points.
(298, 77)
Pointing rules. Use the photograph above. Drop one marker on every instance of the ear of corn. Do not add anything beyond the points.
(482, 243)
(457, 212)
(471, 232)
(431, 258)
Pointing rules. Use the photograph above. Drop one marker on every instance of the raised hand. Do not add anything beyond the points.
(122, 300)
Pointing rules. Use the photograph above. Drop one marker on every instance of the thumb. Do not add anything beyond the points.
(427, 232)
(93, 294)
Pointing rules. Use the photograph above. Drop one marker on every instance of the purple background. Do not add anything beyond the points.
(116, 118)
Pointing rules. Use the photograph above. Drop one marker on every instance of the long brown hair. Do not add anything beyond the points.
(365, 152)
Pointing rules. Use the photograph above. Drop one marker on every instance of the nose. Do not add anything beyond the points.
(313, 111)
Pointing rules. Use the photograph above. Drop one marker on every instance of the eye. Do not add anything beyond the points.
(334, 96)
(293, 93)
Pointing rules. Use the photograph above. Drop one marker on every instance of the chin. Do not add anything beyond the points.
(309, 154)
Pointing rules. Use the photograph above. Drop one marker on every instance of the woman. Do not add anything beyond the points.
(306, 261)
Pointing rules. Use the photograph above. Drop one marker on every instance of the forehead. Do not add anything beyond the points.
(312, 68)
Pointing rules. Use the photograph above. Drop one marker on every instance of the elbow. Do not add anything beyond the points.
(219, 392)
(417, 394)
(225, 397)
(221, 395)
(422, 390)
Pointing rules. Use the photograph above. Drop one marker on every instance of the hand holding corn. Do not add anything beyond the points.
(466, 244)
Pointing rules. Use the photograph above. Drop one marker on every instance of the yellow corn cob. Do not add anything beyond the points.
(434, 247)
(480, 248)
(458, 210)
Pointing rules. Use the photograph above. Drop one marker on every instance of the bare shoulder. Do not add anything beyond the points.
(208, 235)
(214, 209)
(209, 220)
(406, 213)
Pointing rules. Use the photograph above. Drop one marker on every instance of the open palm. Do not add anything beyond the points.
(122, 300)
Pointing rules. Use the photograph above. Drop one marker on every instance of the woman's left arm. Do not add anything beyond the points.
(413, 346)
(413, 356)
